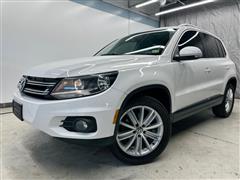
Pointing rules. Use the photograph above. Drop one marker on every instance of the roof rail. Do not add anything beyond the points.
(182, 25)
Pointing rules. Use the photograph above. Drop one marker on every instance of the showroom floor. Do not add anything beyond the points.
(201, 147)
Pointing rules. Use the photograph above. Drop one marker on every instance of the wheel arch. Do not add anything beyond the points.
(157, 91)
(233, 81)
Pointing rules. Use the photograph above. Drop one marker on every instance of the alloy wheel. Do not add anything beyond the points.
(229, 100)
(140, 131)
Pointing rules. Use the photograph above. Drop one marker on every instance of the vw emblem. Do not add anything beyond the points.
(21, 84)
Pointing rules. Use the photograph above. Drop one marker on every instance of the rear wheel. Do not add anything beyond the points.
(225, 109)
(142, 132)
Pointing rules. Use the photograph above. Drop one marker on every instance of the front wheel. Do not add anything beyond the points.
(142, 132)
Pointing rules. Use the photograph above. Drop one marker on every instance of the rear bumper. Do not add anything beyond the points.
(47, 115)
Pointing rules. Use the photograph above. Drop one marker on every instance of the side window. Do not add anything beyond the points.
(189, 38)
(221, 47)
(213, 48)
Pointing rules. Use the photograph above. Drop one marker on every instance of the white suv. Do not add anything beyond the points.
(130, 92)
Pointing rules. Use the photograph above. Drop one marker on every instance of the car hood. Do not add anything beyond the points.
(91, 65)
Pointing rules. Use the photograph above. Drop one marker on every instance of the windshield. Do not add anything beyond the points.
(146, 43)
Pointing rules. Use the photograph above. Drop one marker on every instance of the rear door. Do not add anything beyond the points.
(215, 55)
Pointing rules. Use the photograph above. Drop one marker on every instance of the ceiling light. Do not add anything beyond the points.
(184, 7)
(146, 3)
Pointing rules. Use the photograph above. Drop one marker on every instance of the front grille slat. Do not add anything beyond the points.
(40, 87)
(34, 91)
(40, 83)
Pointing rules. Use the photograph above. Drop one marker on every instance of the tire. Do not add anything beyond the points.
(223, 110)
(156, 142)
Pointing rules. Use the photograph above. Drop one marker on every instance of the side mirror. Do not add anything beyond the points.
(189, 53)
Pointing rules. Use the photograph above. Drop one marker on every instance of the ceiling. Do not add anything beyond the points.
(151, 9)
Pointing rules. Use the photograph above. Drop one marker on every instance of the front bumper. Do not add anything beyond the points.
(46, 115)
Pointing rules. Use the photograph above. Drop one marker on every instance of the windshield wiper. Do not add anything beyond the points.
(110, 54)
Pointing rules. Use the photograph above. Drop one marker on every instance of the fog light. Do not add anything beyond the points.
(81, 125)
(84, 124)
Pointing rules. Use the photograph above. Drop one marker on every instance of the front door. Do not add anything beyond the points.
(191, 76)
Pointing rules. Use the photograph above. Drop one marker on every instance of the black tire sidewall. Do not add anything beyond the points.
(156, 105)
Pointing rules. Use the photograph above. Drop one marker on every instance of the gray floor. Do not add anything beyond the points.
(202, 147)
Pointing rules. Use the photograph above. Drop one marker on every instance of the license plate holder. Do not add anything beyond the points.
(17, 110)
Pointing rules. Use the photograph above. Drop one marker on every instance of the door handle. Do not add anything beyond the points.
(208, 70)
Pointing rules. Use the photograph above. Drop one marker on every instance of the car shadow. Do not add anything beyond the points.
(192, 121)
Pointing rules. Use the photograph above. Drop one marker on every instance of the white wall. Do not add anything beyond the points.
(36, 32)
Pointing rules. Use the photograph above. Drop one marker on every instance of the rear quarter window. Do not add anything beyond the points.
(213, 47)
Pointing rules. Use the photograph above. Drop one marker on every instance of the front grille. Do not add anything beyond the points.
(40, 87)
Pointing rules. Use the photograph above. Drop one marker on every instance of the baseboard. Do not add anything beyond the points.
(5, 105)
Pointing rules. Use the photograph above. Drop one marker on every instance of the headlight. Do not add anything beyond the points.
(84, 86)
